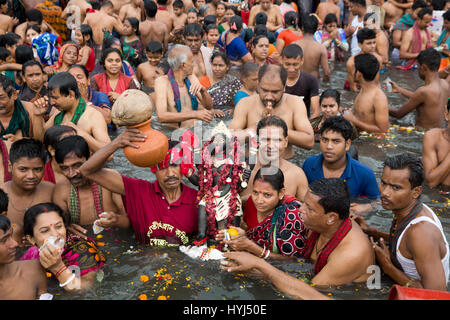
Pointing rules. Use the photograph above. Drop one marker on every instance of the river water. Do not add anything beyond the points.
(136, 272)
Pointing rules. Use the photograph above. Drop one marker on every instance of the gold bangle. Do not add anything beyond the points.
(263, 252)
(409, 283)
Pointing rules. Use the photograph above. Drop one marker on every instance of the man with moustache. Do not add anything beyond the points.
(415, 252)
(83, 199)
(272, 100)
(161, 213)
(19, 280)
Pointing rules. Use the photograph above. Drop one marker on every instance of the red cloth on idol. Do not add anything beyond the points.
(49, 175)
(152, 217)
(340, 234)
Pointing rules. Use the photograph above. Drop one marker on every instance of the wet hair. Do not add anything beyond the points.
(107, 3)
(275, 179)
(234, 9)
(446, 15)
(178, 4)
(210, 27)
(209, 20)
(292, 51)
(248, 68)
(412, 163)
(4, 200)
(193, 30)
(365, 34)
(290, 19)
(310, 24)
(164, 65)
(261, 18)
(9, 39)
(257, 38)
(27, 148)
(5, 223)
(272, 121)
(260, 30)
(71, 144)
(334, 196)
(86, 30)
(34, 15)
(431, 58)
(4, 53)
(337, 124)
(35, 27)
(95, 5)
(24, 53)
(80, 66)
(330, 18)
(32, 213)
(151, 8)
(54, 133)
(134, 24)
(368, 65)
(7, 85)
(270, 68)
(65, 82)
(31, 63)
(107, 52)
(221, 54)
(359, 2)
(238, 22)
(419, 4)
(423, 12)
(154, 47)
(331, 93)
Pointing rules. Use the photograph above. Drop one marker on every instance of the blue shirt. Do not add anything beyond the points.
(100, 99)
(360, 179)
(239, 95)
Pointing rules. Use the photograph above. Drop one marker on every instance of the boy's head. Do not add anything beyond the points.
(330, 22)
(154, 52)
(367, 65)
(178, 7)
(5, 56)
(367, 40)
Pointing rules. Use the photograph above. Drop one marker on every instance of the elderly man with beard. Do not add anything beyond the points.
(271, 100)
(161, 213)
(83, 199)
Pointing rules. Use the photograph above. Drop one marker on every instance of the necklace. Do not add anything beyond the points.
(319, 251)
(23, 210)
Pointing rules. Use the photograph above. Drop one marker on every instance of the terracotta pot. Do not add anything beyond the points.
(152, 150)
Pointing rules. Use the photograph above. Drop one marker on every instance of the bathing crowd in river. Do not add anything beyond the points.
(261, 63)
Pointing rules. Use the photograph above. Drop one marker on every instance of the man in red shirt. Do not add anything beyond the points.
(162, 212)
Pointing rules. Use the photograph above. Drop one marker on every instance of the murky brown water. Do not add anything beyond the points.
(191, 279)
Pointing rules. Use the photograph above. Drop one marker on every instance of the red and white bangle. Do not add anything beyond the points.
(267, 254)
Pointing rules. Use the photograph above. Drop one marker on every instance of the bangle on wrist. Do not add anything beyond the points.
(263, 252)
(267, 254)
(60, 271)
(68, 281)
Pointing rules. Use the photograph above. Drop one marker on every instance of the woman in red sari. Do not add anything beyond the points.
(274, 229)
(112, 82)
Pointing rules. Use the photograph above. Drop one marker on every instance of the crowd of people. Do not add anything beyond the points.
(263, 63)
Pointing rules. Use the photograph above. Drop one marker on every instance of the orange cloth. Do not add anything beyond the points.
(204, 81)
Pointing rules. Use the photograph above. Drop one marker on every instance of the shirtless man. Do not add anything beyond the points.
(394, 10)
(164, 15)
(358, 10)
(192, 36)
(271, 100)
(26, 188)
(436, 155)
(131, 10)
(151, 29)
(7, 23)
(330, 6)
(65, 96)
(19, 280)
(101, 20)
(274, 18)
(430, 100)
(92, 199)
(370, 109)
(382, 41)
(35, 17)
(77, 7)
(272, 134)
(181, 112)
(368, 44)
(424, 18)
(416, 254)
(405, 23)
(345, 261)
(118, 4)
(18, 118)
(315, 54)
